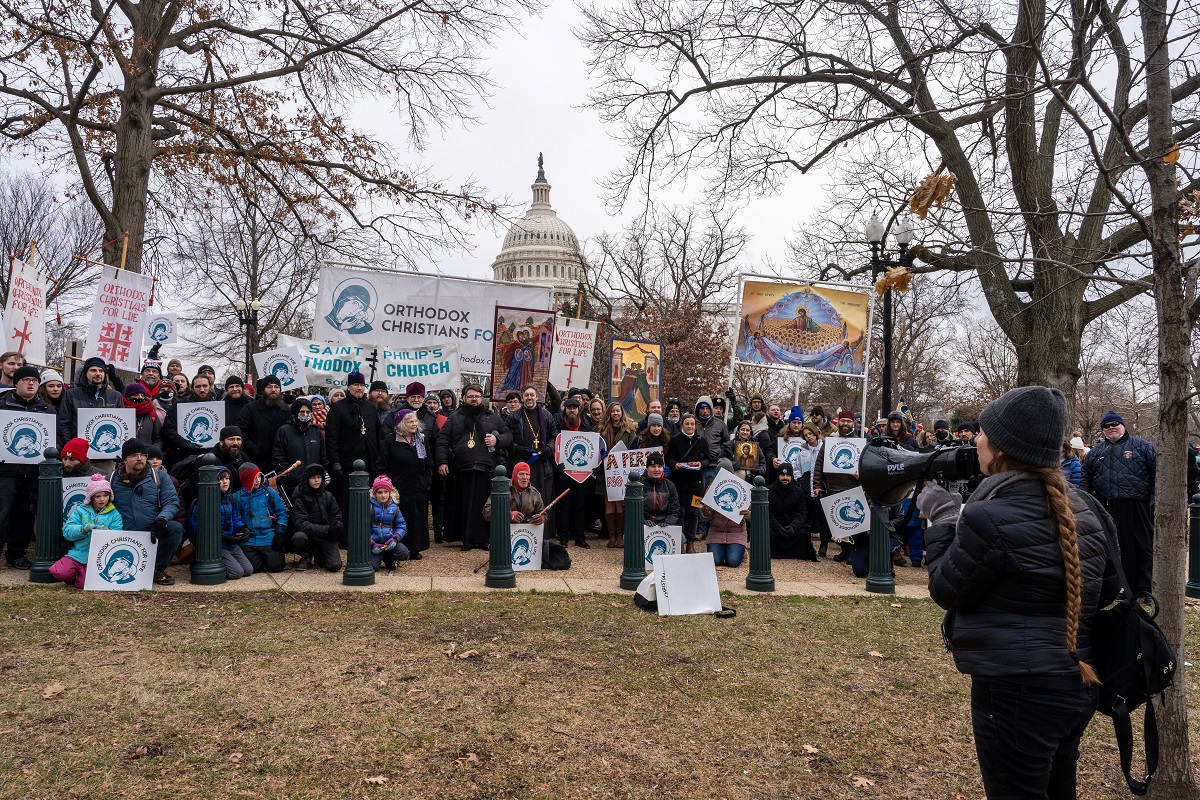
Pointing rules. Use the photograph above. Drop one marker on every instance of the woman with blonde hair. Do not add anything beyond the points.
(1021, 572)
(616, 427)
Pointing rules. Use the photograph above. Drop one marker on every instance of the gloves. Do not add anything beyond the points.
(336, 470)
(158, 528)
(786, 531)
(336, 530)
(87, 527)
(533, 457)
(937, 505)
(516, 516)
(732, 397)
(241, 535)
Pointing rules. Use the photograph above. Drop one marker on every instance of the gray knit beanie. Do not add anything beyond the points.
(654, 419)
(1027, 424)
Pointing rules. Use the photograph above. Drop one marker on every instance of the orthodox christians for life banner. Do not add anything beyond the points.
(25, 313)
(119, 318)
(635, 373)
(523, 340)
(809, 327)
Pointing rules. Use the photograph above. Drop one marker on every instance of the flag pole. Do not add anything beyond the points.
(124, 249)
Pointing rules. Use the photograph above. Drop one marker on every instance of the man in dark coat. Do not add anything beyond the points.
(177, 446)
(90, 391)
(468, 448)
(533, 431)
(19, 482)
(351, 434)
(297, 440)
(572, 511)
(788, 504)
(235, 399)
(262, 419)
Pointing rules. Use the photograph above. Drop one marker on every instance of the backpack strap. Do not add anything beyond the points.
(1110, 538)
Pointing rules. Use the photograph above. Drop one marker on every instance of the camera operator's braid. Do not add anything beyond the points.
(1059, 507)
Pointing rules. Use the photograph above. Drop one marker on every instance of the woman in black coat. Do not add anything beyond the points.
(687, 456)
(405, 457)
(1021, 572)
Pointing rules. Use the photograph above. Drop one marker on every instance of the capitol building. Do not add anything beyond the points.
(542, 249)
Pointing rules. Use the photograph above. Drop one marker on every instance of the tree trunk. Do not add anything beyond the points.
(1175, 779)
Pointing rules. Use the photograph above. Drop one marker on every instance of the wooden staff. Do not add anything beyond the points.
(542, 512)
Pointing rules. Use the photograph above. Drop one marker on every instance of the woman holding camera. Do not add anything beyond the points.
(1021, 572)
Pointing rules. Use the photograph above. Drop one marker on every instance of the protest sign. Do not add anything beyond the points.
(201, 423)
(105, 430)
(162, 329)
(411, 311)
(635, 372)
(797, 325)
(789, 450)
(686, 584)
(25, 313)
(841, 455)
(73, 494)
(119, 318)
(745, 455)
(23, 437)
(618, 465)
(526, 546)
(728, 495)
(120, 561)
(522, 343)
(578, 452)
(574, 348)
(847, 513)
(327, 365)
(286, 364)
(662, 540)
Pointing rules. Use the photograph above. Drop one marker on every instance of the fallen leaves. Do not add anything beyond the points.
(151, 750)
(860, 782)
(469, 758)
(876, 654)
(377, 780)
(808, 748)
(451, 651)
(53, 690)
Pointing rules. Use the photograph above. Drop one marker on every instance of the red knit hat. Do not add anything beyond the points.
(520, 467)
(76, 448)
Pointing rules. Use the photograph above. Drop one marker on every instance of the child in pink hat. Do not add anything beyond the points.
(95, 513)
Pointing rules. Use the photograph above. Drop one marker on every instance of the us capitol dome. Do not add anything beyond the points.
(542, 249)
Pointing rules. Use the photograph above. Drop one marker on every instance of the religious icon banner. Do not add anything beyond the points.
(635, 376)
(522, 343)
(795, 325)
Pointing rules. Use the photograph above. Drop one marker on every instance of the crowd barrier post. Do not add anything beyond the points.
(359, 571)
(207, 568)
(500, 573)
(760, 578)
(1193, 584)
(49, 524)
(882, 579)
(635, 534)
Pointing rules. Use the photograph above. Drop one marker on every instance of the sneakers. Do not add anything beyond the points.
(20, 563)
(163, 579)
(303, 564)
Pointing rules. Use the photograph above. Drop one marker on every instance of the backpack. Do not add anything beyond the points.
(555, 556)
(1134, 661)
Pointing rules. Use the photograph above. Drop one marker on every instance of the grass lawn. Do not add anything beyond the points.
(486, 696)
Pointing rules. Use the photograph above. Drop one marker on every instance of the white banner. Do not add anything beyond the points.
(662, 540)
(409, 310)
(841, 455)
(73, 494)
(201, 423)
(686, 584)
(619, 463)
(847, 513)
(574, 348)
(25, 313)
(23, 437)
(120, 561)
(437, 367)
(105, 430)
(119, 318)
(728, 495)
(526, 546)
(578, 452)
(286, 364)
(162, 329)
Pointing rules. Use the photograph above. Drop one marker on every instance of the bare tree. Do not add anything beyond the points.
(130, 96)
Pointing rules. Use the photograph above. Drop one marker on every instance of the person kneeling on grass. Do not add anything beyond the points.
(233, 531)
(727, 539)
(317, 521)
(263, 512)
(387, 527)
(96, 513)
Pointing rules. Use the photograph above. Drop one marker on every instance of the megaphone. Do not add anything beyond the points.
(888, 472)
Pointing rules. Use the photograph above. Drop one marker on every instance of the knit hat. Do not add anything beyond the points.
(848, 415)
(1111, 416)
(941, 424)
(206, 368)
(355, 378)
(817, 411)
(1027, 424)
(785, 468)
(401, 414)
(521, 466)
(1078, 443)
(94, 361)
(76, 448)
(656, 458)
(246, 475)
(299, 403)
(382, 482)
(234, 380)
(379, 386)
(154, 364)
(229, 430)
(135, 388)
(50, 375)
(415, 387)
(96, 485)
(654, 419)
(154, 451)
(725, 463)
(132, 447)
(896, 416)
(810, 426)
(795, 413)
(268, 380)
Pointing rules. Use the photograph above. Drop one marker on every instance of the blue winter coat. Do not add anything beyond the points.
(386, 522)
(263, 513)
(231, 520)
(83, 514)
(1120, 470)
(153, 497)
(1072, 471)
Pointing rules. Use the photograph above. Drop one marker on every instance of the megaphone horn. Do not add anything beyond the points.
(888, 472)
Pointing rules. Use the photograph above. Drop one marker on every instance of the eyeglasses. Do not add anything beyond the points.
(1108, 425)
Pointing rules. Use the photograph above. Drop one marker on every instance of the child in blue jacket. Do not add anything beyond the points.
(233, 532)
(264, 514)
(96, 513)
(387, 526)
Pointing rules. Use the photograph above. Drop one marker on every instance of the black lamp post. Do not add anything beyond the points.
(248, 317)
(879, 263)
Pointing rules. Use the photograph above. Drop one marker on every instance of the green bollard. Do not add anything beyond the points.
(882, 579)
(207, 569)
(1193, 584)
(359, 571)
(49, 525)
(635, 534)
(760, 578)
(500, 573)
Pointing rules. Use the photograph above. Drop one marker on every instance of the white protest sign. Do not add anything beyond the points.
(662, 540)
(201, 423)
(728, 495)
(23, 437)
(105, 430)
(326, 364)
(618, 465)
(789, 450)
(120, 561)
(686, 584)
(119, 318)
(526, 546)
(841, 455)
(847, 513)
(578, 452)
(286, 364)
(25, 313)
(162, 329)
(574, 347)
(414, 311)
(73, 494)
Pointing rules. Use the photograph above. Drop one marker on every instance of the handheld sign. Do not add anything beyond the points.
(526, 546)
(847, 513)
(201, 423)
(578, 452)
(841, 455)
(619, 464)
(73, 494)
(120, 561)
(106, 429)
(286, 364)
(728, 495)
(662, 540)
(23, 436)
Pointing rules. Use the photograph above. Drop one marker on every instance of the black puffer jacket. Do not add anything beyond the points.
(314, 510)
(660, 502)
(1120, 470)
(259, 423)
(999, 573)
